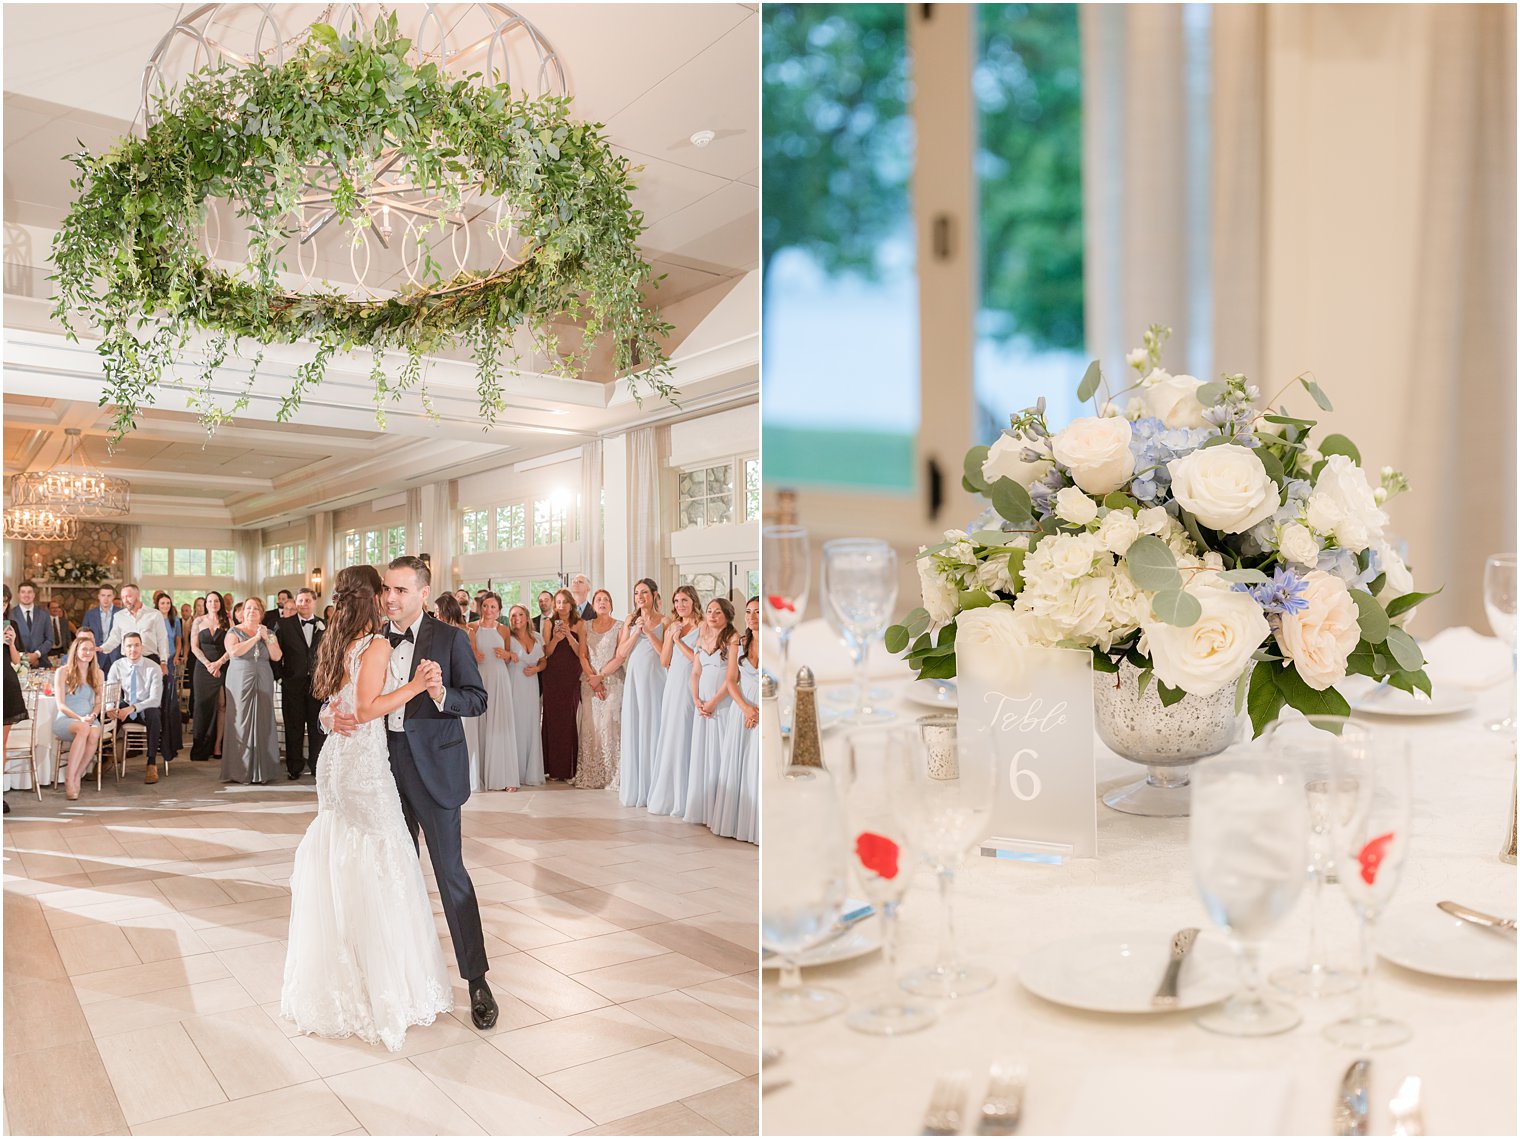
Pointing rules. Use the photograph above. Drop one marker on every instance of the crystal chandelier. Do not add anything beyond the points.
(34, 524)
(73, 487)
(403, 237)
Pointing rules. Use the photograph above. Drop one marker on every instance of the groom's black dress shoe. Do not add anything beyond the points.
(482, 1005)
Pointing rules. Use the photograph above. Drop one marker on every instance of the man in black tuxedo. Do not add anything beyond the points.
(580, 589)
(282, 601)
(430, 759)
(299, 635)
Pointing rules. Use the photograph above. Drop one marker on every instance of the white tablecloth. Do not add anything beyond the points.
(18, 777)
(1464, 1044)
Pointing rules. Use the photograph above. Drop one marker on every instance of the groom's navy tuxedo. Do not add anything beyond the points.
(431, 763)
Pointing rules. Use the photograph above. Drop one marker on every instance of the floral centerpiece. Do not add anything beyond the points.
(1190, 529)
(70, 570)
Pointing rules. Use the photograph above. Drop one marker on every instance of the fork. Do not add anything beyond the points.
(1004, 1103)
(946, 1104)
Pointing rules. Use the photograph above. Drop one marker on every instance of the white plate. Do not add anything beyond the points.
(1428, 940)
(932, 693)
(1119, 972)
(864, 937)
(1371, 699)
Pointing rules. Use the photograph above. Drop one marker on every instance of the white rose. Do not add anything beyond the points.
(1153, 520)
(1074, 506)
(941, 597)
(1226, 488)
(996, 626)
(1097, 453)
(1297, 544)
(1398, 580)
(1214, 650)
(994, 574)
(1321, 638)
(1345, 499)
(1005, 459)
(1118, 530)
(1173, 399)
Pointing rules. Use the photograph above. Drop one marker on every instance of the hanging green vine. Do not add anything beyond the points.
(128, 260)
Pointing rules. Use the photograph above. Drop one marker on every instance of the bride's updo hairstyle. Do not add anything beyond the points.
(356, 612)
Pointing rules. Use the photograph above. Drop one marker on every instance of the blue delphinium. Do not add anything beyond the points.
(1282, 594)
(1154, 445)
(1043, 491)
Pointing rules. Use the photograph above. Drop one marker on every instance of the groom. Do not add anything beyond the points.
(429, 757)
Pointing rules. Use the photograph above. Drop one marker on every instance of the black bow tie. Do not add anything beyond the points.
(396, 638)
(308, 620)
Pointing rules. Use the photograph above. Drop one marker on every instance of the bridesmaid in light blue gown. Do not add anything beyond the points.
(667, 791)
(643, 688)
(525, 660)
(712, 710)
(734, 811)
(500, 767)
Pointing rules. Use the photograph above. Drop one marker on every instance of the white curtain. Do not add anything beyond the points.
(319, 548)
(646, 531)
(414, 520)
(250, 574)
(127, 535)
(439, 526)
(591, 520)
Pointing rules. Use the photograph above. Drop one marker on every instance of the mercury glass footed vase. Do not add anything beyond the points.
(1167, 741)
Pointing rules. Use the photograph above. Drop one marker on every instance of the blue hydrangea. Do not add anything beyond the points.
(1282, 594)
(1262, 538)
(1042, 492)
(1154, 445)
(1344, 565)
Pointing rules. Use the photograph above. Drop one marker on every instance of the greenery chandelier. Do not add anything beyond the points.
(453, 211)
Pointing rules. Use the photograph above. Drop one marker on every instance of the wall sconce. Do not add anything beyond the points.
(316, 580)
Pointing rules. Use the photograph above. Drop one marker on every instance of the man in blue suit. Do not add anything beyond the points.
(430, 759)
(34, 631)
(98, 621)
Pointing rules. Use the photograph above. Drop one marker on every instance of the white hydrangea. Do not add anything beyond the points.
(994, 574)
(1075, 506)
(1118, 530)
(1344, 507)
(941, 593)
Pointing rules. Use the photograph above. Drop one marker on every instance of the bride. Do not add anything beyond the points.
(364, 957)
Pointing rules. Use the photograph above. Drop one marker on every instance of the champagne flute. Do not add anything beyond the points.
(1370, 821)
(787, 571)
(860, 588)
(942, 790)
(884, 860)
(1499, 603)
(1313, 742)
(802, 888)
(1249, 840)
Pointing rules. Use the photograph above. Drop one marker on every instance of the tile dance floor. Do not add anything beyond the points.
(145, 943)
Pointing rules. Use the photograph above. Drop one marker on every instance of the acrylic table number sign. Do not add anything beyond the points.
(1037, 704)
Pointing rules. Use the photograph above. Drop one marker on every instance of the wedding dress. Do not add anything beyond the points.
(364, 957)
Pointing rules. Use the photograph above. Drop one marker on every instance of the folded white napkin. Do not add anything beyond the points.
(820, 648)
(1468, 659)
(1172, 1101)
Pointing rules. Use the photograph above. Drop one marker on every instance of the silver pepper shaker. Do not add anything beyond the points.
(807, 742)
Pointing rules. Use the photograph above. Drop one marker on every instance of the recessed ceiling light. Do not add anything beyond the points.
(702, 138)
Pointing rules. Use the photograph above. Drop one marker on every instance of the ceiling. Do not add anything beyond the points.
(653, 74)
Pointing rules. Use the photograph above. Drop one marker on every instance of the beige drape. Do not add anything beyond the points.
(647, 447)
(591, 518)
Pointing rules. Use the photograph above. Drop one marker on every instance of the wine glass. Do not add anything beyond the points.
(1249, 839)
(802, 888)
(1499, 603)
(847, 696)
(860, 588)
(884, 860)
(1370, 821)
(787, 571)
(942, 789)
(1312, 743)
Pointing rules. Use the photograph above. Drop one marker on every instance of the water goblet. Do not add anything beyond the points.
(860, 588)
(884, 860)
(1249, 839)
(1499, 595)
(1370, 816)
(788, 569)
(1313, 742)
(942, 790)
(802, 888)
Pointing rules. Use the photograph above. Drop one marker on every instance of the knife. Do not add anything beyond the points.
(843, 926)
(1351, 1100)
(1488, 921)
(1166, 994)
(1407, 1119)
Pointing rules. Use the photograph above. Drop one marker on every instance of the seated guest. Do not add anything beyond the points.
(34, 636)
(580, 589)
(142, 690)
(62, 628)
(99, 620)
(81, 691)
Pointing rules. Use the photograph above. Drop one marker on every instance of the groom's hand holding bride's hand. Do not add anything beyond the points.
(432, 674)
(336, 721)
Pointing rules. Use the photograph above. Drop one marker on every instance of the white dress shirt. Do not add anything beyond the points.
(147, 684)
(401, 670)
(146, 623)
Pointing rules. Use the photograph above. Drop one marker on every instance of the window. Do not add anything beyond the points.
(395, 542)
(353, 546)
(751, 584)
(223, 563)
(272, 562)
(189, 563)
(751, 490)
(511, 594)
(707, 585)
(186, 597)
(477, 535)
(292, 559)
(511, 526)
(153, 560)
(705, 497)
(374, 549)
(548, 522)
(542, 585)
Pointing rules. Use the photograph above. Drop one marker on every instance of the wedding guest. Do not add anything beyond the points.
(188, 613)
(580, 589)
(33, 633)
(545, 605)
(480, 595)
(15, 699)
(450, 613)
(208, 636)
(735, 814)
(713, 711)
(601, 717)
(135, 617)
(62, 628)
(672, 756)
(80, 690)
(524, 663)
(141, 698)
(252, 750)
(227, 603)
(300, 635)
(565, 654)
(461, 598)
(99, 621)
(173, 729)
(327, 614)
(283, 603)
(237, 613)
(500, 767)
(641, 642)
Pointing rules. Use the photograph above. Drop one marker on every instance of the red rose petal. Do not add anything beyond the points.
(1371, 856)
(877, 854)
(779, 602)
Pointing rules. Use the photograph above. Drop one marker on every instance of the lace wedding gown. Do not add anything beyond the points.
(364, 958)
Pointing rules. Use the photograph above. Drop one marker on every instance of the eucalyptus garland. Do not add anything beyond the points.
(127, 257)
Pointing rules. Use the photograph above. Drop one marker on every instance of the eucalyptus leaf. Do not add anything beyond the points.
(1317, 392)
(1404, 649)
(1176, 608)
(1340, 445)
(1211, 393)
(1012, 501)
(1370, 617)
(917, 622)
(1090, 381)
(896, 638)
(973, 468)
(1152, 564)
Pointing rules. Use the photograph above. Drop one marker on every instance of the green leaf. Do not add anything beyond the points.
(1317, 392)
(896, 639)
(917, 622)
(1371, 618)
(975, 599)
(1272, 465)
(1152, 564)
(1400, 605)
(1012, 501)
(324, 34)
(1170, 696)
(973, 468)
(1211, 393)
(1291, 421)
(1145, 679)
(1102, 662)
(1242, 686)
(1176, 608)
(1264, 701)
(1310, 701)
(1118, 500)
(1340, 445)
(993, 538)
(1253, 576)
(1404, 649)
(1090, 381)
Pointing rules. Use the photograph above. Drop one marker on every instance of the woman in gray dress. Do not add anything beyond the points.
(251, 750)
